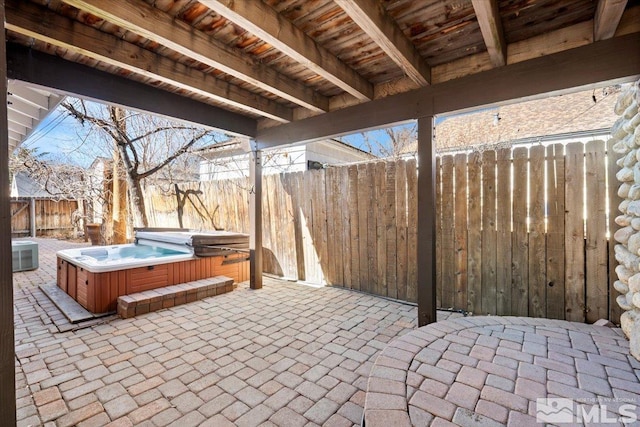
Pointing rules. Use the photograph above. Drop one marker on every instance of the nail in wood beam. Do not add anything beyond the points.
(426, 222)
(255, 220)
(7, 344)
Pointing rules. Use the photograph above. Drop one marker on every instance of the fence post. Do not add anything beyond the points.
(7, 344)
(32, 216)
(255, 220)
(426, 256)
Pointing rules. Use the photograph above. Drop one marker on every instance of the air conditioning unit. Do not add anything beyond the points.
(24, 254)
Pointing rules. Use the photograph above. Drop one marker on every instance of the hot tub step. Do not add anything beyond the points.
(169, 296)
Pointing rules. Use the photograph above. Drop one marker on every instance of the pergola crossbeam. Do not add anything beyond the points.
(151, 23)
(260, 19)
(63, 32)
(608, 16)
(491, 27)
(372, 18)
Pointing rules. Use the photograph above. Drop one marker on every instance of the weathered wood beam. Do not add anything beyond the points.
(255, 220)
(618, 60)
(372, 18)
(74, 79)
(258, 18)
(153, 24)
(42, 24)
(426, 255)
(545, 44)
(607, 17)
(491, 27)
(7, 342)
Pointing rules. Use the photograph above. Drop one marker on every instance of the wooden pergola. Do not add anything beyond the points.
(293, 71)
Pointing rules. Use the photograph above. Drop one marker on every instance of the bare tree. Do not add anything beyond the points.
(60, 179)
(389, 142)
(146, 145)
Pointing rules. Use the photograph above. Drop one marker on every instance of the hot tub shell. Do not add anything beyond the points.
(97, 286)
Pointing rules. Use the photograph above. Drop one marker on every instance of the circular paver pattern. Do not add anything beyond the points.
(491, 370)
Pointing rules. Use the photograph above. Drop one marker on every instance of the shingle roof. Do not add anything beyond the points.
(576, 112)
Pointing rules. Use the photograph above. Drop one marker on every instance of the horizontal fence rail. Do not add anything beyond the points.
(520, 231)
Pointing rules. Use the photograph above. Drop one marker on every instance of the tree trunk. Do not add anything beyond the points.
(137, 200)
(119, 187)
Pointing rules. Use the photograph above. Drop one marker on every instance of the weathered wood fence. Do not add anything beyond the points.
(52, 217)
(519, 232)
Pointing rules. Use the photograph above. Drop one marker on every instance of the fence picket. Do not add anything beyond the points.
(354, 226)
(363, 225)
(474, 234)
(381, 235)
(460, 231)
(332, 242)
(448, 255)
(574, 233)
(489, 235)
(555, 231)
(520, 239)
(401, 232)
(412, 231)
(503, 226)
(537, 250)
(596, 280)
(390, 228)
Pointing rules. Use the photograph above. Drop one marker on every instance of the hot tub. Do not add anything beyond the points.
(97, 276)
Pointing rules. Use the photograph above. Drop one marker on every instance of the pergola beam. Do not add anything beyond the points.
(44, 25)
(491, 27)
(372, 18)
(258, 18)
(255, 219)
(86, 82)
(426, 251)
(618, 60)
(7, 341)
(153, 24)
(607, 17)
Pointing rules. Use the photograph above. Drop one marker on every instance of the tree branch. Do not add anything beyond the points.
(178, 153)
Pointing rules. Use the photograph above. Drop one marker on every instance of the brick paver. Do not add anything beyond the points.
(489, 371)
(288, 354)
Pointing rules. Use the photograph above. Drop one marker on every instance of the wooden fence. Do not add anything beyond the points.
(52, 217)
(512, 234)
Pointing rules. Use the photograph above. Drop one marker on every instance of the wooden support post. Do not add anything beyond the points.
(32, 217)
(7, 344)
(426, 222)
(255, 220)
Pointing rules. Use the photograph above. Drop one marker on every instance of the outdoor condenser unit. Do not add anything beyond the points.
(24, 255)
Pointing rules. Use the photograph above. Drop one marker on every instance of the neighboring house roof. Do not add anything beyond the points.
(558, 115)
(239, 146)
(24, 187)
